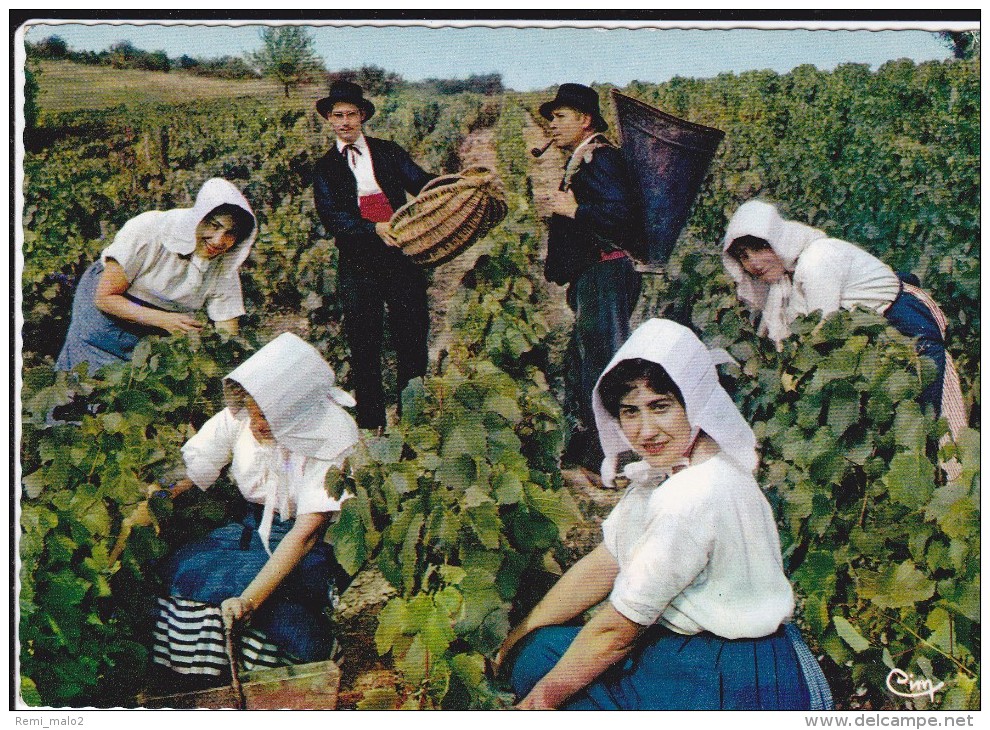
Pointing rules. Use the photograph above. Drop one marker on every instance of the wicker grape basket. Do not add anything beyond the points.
(450, 214)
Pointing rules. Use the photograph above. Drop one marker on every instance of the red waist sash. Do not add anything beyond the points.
(375, 208)
(611, 255)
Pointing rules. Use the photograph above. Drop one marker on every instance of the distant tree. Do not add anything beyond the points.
(448, 87)
(187, 62)
(376, 81)
(963, 44)
(123, 54)
(53, 47)
(287, 56)
(235, 67)
(488, 84)
(224, 67)
(155, 61)
(94, 58)
(344, 74)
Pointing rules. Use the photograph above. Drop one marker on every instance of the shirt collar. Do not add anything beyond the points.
(361, 143)
(584, 143)
(200, 262)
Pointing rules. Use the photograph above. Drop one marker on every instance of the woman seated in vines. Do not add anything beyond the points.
(785, 269)
(161, 268)
(696, 604)
(283, 429)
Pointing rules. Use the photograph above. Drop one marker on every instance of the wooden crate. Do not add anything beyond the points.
(297, 687)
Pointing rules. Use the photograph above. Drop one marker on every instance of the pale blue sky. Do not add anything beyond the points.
(535, 58)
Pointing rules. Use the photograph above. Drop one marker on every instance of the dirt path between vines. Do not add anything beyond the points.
(362, 670)
(477, 149)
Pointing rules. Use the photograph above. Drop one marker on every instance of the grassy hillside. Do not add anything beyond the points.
(65, 86)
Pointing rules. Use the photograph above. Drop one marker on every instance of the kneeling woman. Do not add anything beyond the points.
(283, 429)
(162, 267)
(784, 269)
(697, 604)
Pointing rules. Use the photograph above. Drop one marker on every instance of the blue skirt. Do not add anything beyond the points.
(909, 316)
(669, 671)
(222, 564)
(95, 337)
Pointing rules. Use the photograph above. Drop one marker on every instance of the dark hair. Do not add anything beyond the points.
(243, 220)
(621, 379)
(748, 243)
(235, 395)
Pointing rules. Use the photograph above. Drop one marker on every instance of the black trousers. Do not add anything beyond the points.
(366, 296)
(603, 299)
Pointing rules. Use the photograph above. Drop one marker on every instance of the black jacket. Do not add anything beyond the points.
(335, 194)
(609, 218)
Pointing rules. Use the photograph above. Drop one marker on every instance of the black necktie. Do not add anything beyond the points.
(355, 153)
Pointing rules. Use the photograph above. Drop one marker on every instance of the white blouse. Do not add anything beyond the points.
(699, 552)
(168, 280)
(833, 274)
(292, 484)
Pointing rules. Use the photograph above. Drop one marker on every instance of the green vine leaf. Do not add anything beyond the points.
(910, 480)
(850, 634)
(898, 586)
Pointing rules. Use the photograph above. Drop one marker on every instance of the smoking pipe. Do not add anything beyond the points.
(538, 151)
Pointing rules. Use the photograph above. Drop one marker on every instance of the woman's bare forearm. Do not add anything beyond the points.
(180, 487)
(117, 305)
(123, 308)
(299, 541)
(228, 326)
(586, 584)
(606, 640)
(109, 298)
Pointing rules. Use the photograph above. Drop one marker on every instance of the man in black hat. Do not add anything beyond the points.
(357, 186)
(595, 221)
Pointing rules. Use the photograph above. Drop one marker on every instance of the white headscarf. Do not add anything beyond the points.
(294, 388)
(690, 365)
(787, 239)
(216, 191)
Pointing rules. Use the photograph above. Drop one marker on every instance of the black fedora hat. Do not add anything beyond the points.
(580, 97)
(345, 91)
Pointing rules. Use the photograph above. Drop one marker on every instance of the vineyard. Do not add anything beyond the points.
(461, 505)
